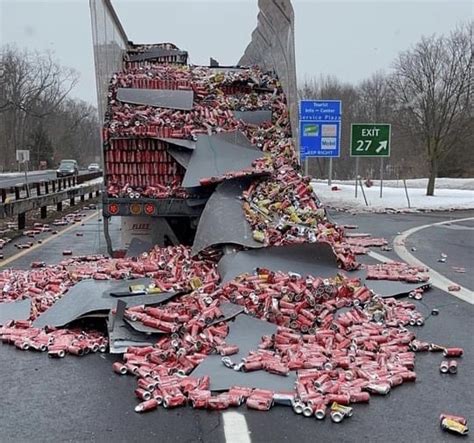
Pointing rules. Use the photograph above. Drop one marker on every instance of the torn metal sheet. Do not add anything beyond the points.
(121, 336)
(188, 144)
(182, 156)
(138, 247)
(162, 98)
(256, 118)
(229, 311)
(156, 53)
(214, 156)
(315, 259)
(236, 138)
(246, 333)
(223, 220)
(90, 296)
(388, 288)
(15, 310)
(141, 328)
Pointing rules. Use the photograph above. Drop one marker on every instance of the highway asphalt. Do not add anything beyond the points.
(7, 181)
(81, 399)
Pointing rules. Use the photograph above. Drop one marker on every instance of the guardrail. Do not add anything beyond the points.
(44, 187)
(17, 202)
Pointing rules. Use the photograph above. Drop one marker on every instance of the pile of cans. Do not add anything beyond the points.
(56, 342)
(360, 244)
(171, 268)
(344, 342)
(137, 167)
(283, 209)
(397, 271)
(131, 131)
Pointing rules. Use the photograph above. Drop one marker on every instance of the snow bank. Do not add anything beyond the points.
(441, 183)
(394, 197)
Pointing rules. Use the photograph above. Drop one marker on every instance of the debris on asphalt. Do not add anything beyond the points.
(443, 257)
(454, 288)
(347, 226)
(458, 269)
(454, 424)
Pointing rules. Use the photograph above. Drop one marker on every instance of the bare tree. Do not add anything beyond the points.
(74, 130)
(32, 86)
(375, 99)
(433, 85)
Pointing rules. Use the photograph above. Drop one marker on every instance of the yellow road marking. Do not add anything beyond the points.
(24, 252)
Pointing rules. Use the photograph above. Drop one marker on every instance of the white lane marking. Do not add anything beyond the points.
(235, 428)
(24, 252)
(458, 228)
(436, 279)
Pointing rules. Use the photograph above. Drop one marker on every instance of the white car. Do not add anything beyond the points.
(93, 167)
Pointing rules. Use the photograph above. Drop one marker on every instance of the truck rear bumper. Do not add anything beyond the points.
(169, 207)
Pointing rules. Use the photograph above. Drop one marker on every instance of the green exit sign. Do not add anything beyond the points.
(370, 140)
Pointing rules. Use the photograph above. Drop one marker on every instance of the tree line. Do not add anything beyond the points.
(38, 113)
(427, 97)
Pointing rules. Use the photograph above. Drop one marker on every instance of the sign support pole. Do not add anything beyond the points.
(357, 175)
(330, 172)
(306, 166)
(406, 193)
(26, 179)
(381, 176)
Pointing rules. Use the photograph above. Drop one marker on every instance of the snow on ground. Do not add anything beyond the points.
(394, 198)
(441, 183)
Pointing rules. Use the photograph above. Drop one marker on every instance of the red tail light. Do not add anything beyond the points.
(113, 208)
(149, 208)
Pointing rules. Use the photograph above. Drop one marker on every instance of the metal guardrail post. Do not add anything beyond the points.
(21, 220)
(72, 202)
(17, 193)
(38, 188)
(46, 187)
(21, 206)
(53, 184)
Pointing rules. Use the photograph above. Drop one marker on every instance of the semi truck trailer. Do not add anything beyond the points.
(154, 106)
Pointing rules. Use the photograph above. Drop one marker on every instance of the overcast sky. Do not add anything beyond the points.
(350, 39)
